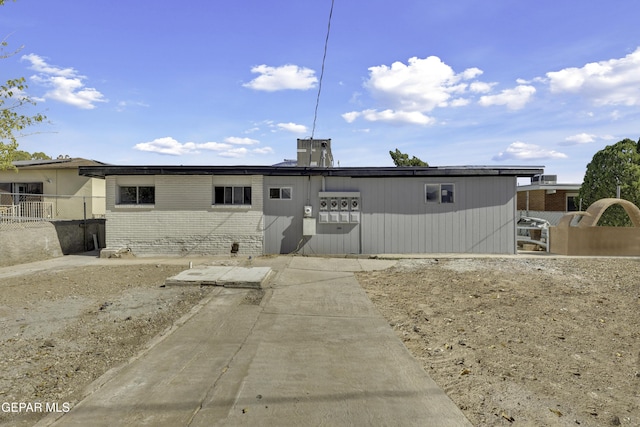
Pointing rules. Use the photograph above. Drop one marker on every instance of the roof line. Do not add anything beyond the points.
(354, 172)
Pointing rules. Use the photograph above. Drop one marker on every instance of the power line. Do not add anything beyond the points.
(324, 57)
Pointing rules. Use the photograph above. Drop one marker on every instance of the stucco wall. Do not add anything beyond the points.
(65, 189)
(595, 241)
(28, 242)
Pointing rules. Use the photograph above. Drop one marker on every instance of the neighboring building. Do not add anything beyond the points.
(548, 199)
(52, 189)
(181, 210)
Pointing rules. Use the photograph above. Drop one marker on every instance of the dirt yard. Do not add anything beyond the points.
(522, 341)
(513, 341)
(63, 329)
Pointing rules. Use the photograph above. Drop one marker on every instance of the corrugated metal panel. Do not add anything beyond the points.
(395, 217)
(283, 218)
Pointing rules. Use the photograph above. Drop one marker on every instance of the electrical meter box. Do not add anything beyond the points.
(308, 211)
(308, 226)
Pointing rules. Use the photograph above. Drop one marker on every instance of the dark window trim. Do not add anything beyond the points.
(281, 193)
(239, 195)
(439, 197)
(141, 197)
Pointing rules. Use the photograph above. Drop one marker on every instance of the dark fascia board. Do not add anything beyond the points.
(353, 172)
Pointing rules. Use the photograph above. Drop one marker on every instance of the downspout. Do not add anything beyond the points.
(84, 227)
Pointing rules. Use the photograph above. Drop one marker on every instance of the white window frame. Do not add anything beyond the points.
(281, 193)
(441, 197)
(576, 200)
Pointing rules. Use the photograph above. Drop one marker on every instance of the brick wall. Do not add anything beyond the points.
(536, 200)
(183, 220)
(539, 200)
(557, 201)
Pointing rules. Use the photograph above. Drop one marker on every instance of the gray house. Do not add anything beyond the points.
(180, 210)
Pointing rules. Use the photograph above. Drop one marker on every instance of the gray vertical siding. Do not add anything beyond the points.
(395, 217)
(283, 218)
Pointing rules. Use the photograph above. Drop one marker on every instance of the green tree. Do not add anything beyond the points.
(400, 159)
(617, 164)
(25, 155)
(13, 99)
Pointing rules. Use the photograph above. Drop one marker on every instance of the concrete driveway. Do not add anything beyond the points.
(313, 351)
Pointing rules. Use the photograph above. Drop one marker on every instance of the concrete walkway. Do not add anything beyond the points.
(315, 351)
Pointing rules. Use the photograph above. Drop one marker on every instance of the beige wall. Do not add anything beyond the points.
(65, 189)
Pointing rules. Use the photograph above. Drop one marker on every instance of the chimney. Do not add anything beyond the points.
(315, 153)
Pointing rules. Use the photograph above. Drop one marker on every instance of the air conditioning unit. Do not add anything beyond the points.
(544, 179)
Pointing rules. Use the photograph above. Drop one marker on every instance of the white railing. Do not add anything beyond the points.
(40, 210)
(534, 231)
(8, 213)
(26, 212)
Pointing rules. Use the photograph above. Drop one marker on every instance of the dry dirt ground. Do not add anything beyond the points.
(513, 341)
(60, 330)
(522, 341)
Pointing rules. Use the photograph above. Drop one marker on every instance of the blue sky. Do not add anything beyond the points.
(463, 82)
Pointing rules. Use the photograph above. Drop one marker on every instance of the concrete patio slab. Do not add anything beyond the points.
(229, 277)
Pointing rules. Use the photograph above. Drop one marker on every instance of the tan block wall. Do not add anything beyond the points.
(602, 241)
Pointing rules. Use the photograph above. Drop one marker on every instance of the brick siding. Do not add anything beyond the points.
(183, 220)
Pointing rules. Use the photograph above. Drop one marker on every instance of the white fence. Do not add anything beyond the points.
(19, 208)
(26, 211)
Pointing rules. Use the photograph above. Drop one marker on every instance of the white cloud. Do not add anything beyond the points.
(292, 127)
(411, 117)
(209, 146)
(410, 92)
(523, 151)
(241, 141)
(235, 152)
(612, 82)
(514, 99)
(481, 87)
(233, 147)
(585, 138)
(351, 116)
(65, 84)
(40, 65)
(263, 150)
(170, 146)
(420, 85)
(459, 102)
(272, 79)
(581, 138)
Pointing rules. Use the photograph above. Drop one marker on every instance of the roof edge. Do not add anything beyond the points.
(354, 172)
